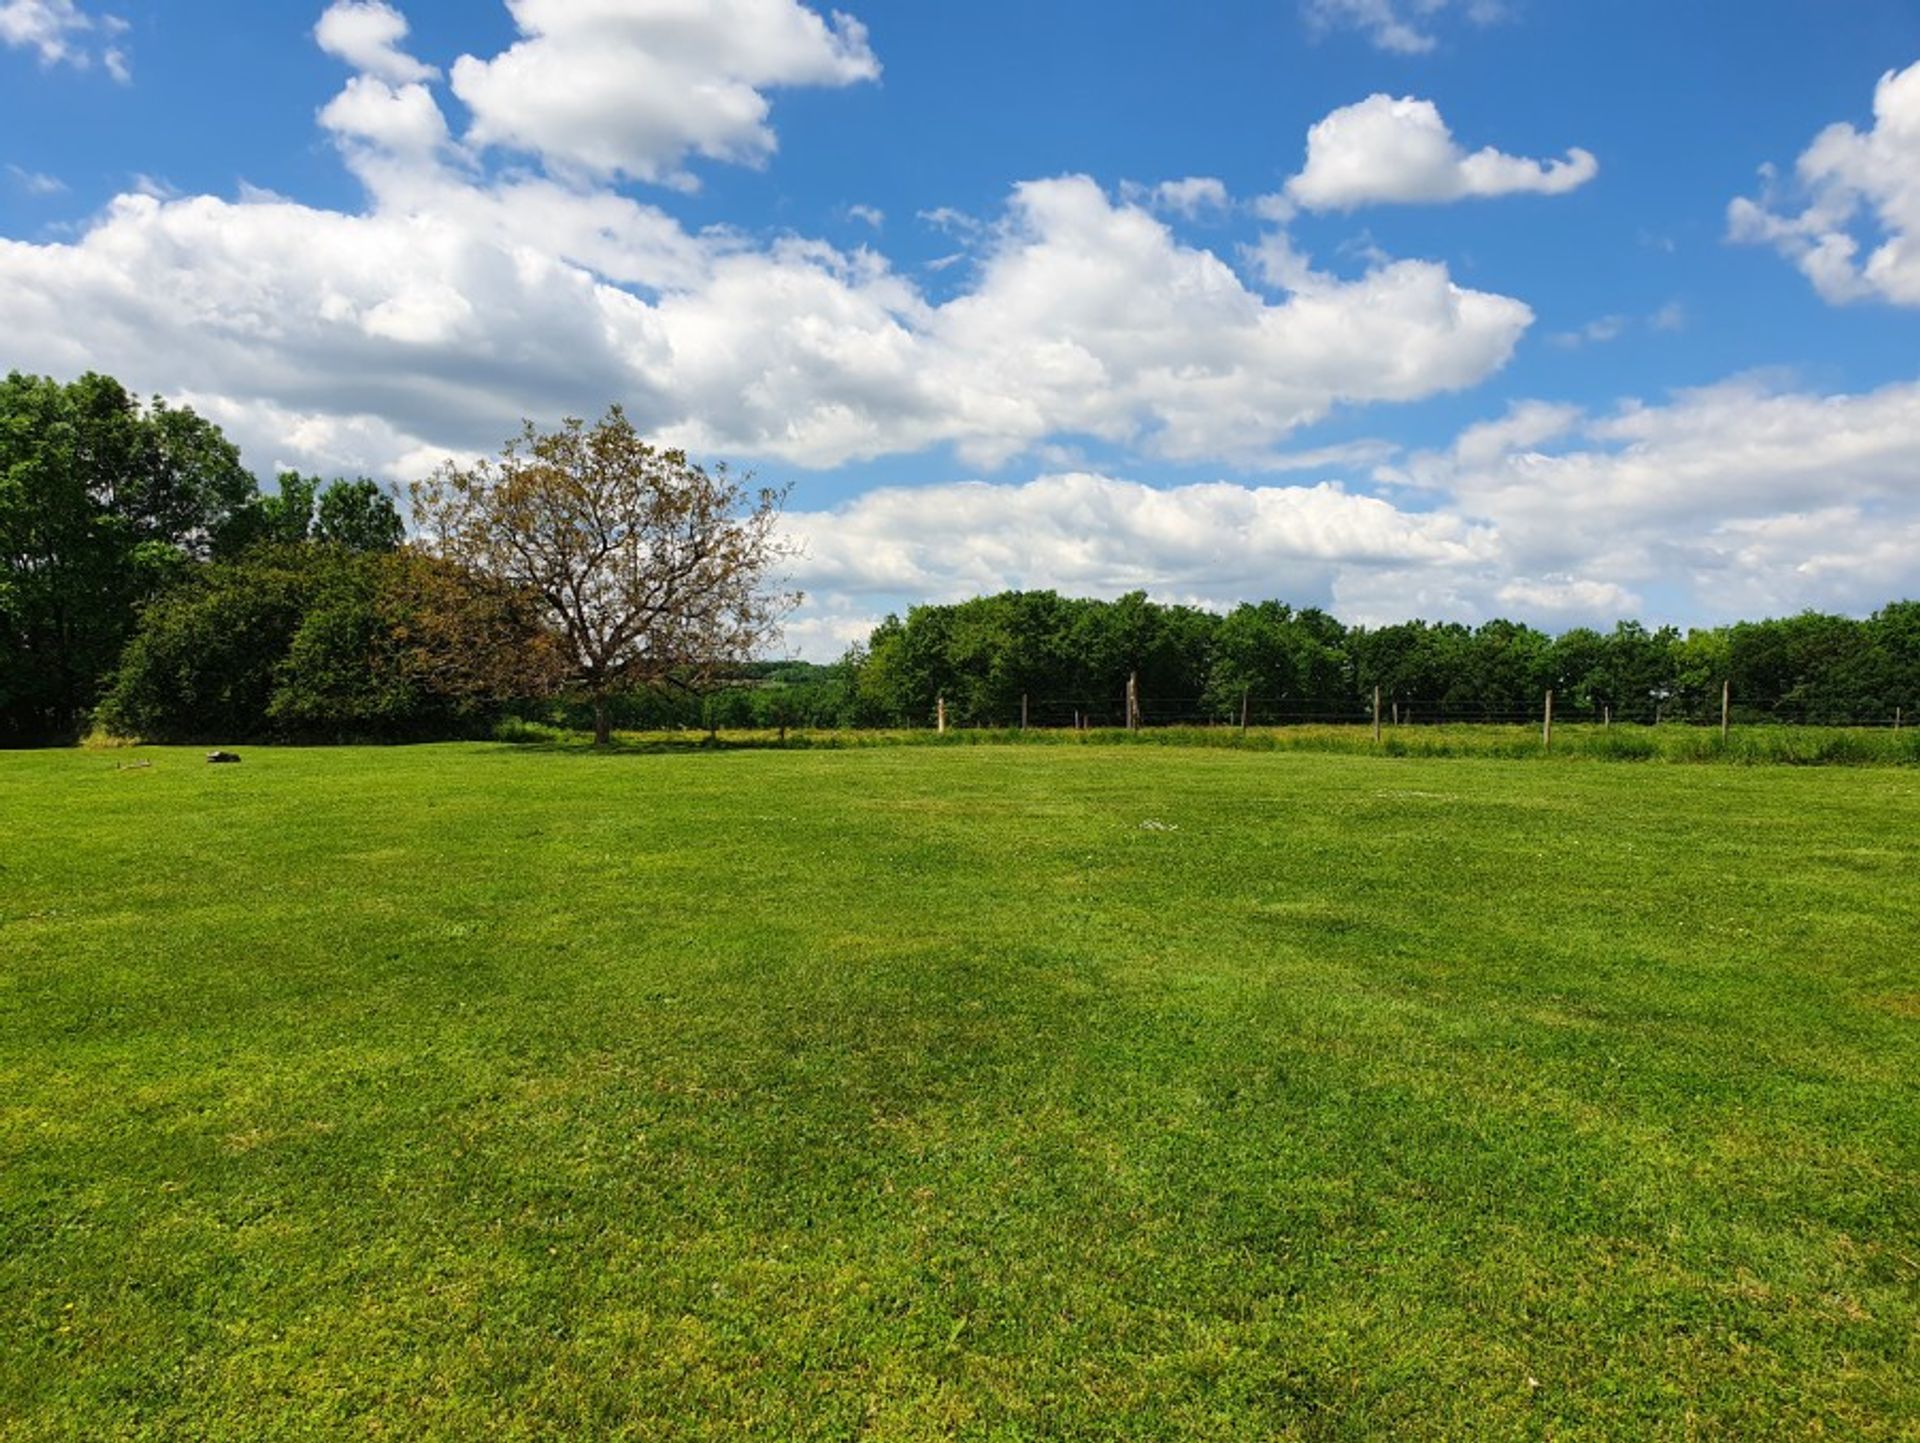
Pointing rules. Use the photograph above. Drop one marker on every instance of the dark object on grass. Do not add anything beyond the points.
(222, 757)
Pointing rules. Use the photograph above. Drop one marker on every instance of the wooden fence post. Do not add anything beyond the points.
(1546, 734)
(1609, 723)
(1133, 702)
(1376, 716)
(1246, 700)
(1896, 718)
(1726, 708)
(1023, 711)
(940, 715)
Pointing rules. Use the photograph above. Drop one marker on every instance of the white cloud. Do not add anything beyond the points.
(953, 222)
(1668, 319)
(823, 631)
(1094, 535)
(1193, 197)
(59, 32)
(1548, 599)
(868, 215)
(438, 329)
(1593, 333)
(609, 88)
(1526, 426)
(1388, 151)
(367, 34)
(1402, 27)
(35, 183)
(1091, 318)
(1858, 189)
(454, 304)
(400, 118)
(1685, 494)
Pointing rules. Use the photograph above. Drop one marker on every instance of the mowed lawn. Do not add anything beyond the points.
(470, 1092)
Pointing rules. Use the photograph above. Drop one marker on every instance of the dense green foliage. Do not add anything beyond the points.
(102, 501)
(289, 641)
(1072, 659)
(985, 1092)
(106, 504)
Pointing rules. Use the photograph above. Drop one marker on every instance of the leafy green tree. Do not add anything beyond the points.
(286, 516)
(358, 516)
(1268, 653)
(1700, 664)
(1577, 665)
(1415, 664)
(1811, 667)
(310, 641)
(1894, 639)
(102, 502)
(886, 690)
(205, 662)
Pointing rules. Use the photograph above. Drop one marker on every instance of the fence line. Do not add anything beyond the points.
(1133, 710)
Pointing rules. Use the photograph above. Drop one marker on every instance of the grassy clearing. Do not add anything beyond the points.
(1023, 1092)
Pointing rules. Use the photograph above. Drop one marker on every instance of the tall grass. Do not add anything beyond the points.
(1746, 746)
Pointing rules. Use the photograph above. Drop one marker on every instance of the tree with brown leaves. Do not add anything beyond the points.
(653, 569)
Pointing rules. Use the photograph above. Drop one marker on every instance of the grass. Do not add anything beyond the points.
(1082, 1091)
(1764, 745)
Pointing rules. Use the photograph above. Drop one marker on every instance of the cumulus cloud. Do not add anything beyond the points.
(1387, 151)
(1857, 236)
(1710, 493)
(1402, 27)
(454, 303)
(630, 88)
(1087, 317)
(1550, 599)
(59, 32)
(367, 34)
(1095, 535)
(401, 118)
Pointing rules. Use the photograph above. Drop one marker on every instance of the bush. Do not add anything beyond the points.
(203, 662)
(296, 642)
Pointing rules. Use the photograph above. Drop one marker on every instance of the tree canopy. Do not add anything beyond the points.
(102, 502)
(653, 569)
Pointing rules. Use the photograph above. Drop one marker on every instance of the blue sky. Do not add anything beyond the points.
(1527, 332)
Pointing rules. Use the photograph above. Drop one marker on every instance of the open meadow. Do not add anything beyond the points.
(1078, 1091)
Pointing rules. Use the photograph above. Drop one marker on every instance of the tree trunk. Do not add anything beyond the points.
(602, 723)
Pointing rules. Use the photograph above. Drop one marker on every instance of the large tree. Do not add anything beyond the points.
(655, 570)
(102, 501)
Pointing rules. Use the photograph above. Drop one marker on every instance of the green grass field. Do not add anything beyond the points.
(1120, 1092)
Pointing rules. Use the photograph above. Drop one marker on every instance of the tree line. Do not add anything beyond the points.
(1059, 659)
(150, 587)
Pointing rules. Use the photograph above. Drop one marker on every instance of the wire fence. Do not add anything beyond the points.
(1137, 711)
